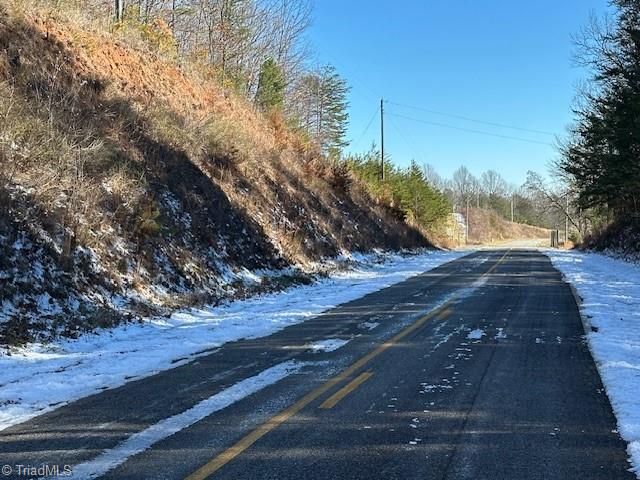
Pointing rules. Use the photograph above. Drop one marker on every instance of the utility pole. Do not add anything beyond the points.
(382, 138)
(566, 221)
(119, 10)
(454, 223)
(466, 227)
(511, 208)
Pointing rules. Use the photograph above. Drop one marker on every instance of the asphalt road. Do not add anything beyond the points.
(475, 370)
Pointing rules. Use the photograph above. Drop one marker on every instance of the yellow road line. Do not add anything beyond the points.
(245, 442)
(495, 265)
(346, 390)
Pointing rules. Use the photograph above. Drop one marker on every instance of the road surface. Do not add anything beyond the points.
(475, 370)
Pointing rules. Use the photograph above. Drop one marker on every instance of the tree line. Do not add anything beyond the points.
(425, 198)
(407, 190)
(600, 159)
(257, 48)
(490, 191)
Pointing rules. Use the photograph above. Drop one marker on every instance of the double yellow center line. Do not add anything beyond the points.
(346, 390)
(232, 452)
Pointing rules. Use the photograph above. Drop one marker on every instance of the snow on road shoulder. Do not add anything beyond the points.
(610, 290)
(39, 378)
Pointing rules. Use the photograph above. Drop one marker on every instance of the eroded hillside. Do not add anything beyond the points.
(130, 185)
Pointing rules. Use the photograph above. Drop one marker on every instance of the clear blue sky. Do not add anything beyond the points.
(501, 61)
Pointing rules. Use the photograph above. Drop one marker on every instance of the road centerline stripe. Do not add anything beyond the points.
(346, 390)
(252, 437)
(275, 421)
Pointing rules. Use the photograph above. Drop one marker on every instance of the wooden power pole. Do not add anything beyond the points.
(382, 138)
(466, 225)
(566, 222)
(511, 208)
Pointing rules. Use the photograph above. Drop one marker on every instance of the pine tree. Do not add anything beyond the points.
(322, 109)
(271, 86)
(602, 157)
(334, 118)
(406, 190)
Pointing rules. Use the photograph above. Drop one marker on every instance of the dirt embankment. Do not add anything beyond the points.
(487, 227)
(130, 185)
(620, 238)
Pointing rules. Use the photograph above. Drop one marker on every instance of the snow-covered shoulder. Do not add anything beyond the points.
(610, 290)
(38, 378)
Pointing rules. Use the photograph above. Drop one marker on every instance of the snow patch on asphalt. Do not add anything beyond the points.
(369, 325)
(328, 345)
(446, 337)
(610, 290)
(474, 262)
(39, 378)
(476, 334)
(138, 442)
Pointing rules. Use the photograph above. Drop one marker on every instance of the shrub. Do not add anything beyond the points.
(148, 220)
(155, 34)
(403, 189)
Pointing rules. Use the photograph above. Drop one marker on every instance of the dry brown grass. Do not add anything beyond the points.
(122, 89)
(487, 227)
(160, 171)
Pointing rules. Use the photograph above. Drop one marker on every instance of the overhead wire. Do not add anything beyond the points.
(356, 144)
(469, 119)
(469, 130)
(408, 142)
(369, 92)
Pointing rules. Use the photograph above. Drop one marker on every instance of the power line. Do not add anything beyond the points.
(443, 125)
(375, 114)
(382, 139)
(409, 143)
(468, 119)
(480, 132)
(355, 75)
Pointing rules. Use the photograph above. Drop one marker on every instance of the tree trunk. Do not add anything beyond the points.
(119, 10)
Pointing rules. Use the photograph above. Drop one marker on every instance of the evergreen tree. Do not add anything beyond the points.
(602, 157)
(334, 118)
(406, 190)
(271, 86)
(322, 110)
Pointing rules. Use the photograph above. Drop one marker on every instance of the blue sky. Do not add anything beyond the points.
(501, 61)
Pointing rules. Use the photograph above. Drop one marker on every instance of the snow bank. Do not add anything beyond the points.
(610, 290)
(41, 377)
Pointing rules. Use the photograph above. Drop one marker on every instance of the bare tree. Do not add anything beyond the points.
(432, 177)
(463, 185)
(235, 37)
(493, 184)
(555, 200)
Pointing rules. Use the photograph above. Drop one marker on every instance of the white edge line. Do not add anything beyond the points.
(138, 442)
